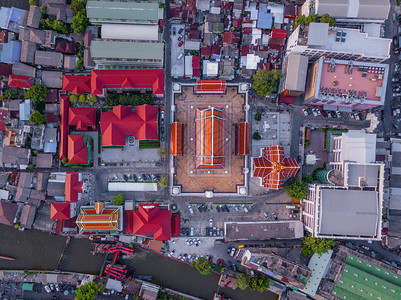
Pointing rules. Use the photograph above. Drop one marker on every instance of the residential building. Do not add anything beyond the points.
(101, 11)
(11, 52)
(65, 46)
(70, 62)
(44, 160)
(271, 264)
(346, 85)
(8, 211)
(141, 54)
(100, 218)
(23, 82)
(138, 32)
(14, 157)
(318, 39)
(27, 216)
(27, 52)
(38, 132)
(50, 140)
(273, 167)
(23, 70)
(49, 59)
(52, 79)
(117, 125)
(32, 35)
(13, 18)
(294, 77)
(34, 16)
(351, 190)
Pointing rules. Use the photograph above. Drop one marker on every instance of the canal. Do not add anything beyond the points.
(41, 251)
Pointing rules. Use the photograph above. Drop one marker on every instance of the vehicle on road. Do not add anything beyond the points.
(233, 250)
(210, 223)
(266, 215)
(364, 247)
(181, 43)
(180, 56)
(192, 232)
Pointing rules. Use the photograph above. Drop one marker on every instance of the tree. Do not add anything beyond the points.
(64, 161)
(33, 2)
(77, 5)
(43, 9)
(74, 98)
(82, 98)
(162, 152)
(163, 182)
(91, 99)
(37, 118)
(203, 266)
(79, 64)
(36, 93)
(308, 178)
(242, 281)
(89, 291)
(297, 189)
(56, 25)
(313, 245)
(119, 200)
(9, 94)
(266, 83)
(256, 136)
(258, 116)
(327, 19)
(79, 21)
(262, 283)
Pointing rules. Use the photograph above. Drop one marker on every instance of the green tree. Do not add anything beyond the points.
(256, 136)
(82, 98)
(79, 64)
(56, 25)
(242, 281)
(64, 161)
(297, 189)
(33, 2)
(327, 19)
(10, 94)
(43, 9)
(31, 166)
(91, 99)
(308, 178)
(253, 283)
(119, 200)
(266, 83)
(311, 18)
(74, 98)
(258, 116)
(79, 21)
(163, 182)
(162, 152)
(36, 93)
(37, 118)
(262, 283)
(203, 266)
(89, 291)
(313, 245)
(77, 5)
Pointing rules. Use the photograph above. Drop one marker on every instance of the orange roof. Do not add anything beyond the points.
(91, 219)
(210, 86)
(273, 167)
(72, 186)
(176, 138)
(210, 126)
(82, 117)
(77, 152)
(243, 138)
(60, 211)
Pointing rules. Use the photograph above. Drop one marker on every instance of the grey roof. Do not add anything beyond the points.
(34, 16)
(14, 155)
(295, 75)
(23, 70)
(364, 9)
(50, 135)
(33, 35)
(7, 212)
(88, 61)
(22, 194)
(318, 33)
(349, 212)
(41, 184)
(56, 189)
(13, 105)
(44, 160)
(117, 49)
(396, 159)
(27, 52)
(70, 61)
(52, 79)
(25, 179)
(122, 12)
(27, 216)
(395, 181)
(48, 58)
(370, 173)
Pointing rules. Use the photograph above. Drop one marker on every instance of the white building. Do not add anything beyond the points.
(318, 39)
(351, 206)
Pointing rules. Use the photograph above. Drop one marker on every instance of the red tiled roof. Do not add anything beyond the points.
(51, 96)
(210, 127)
(195, 66)
(72, 186)
(64, 129)
(5, 69)
(116, 125)
(60, 211)
(176, 138)
(273, 167)
(279, 34)
(65, 46)
(149, 220)
(133, 79)
(51, 118)
(82, 117)
(231, 38)
(243, 138)
(2, 125)
(210, 86)
(24, 82)
(206, 50)
(77, 152)
(175, 225)
(77, 84)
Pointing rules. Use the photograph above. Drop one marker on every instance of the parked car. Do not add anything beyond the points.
(229, 250)
(274, 215)
(192, 232)
(174, 31)
(47, 288)
(266, 215)
(211, 223)
(221, 262)
(181, 30)
(181, 43)
(364, 247)
(293, 216)
(190, 209)
(305, 111)
(338, 114)
(125, 177)
(180, 37)
(395, 79)
(210, 258)
(236, 207)
(134, 177)
(324, 113)
(199, 207)
(314, 112)
(232, 251)
(218, 208)
(295, 211)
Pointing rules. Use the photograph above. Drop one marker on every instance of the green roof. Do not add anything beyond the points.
(128, 50)
(122, 12)
(363, 280)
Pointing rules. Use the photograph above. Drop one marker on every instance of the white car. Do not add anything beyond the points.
(190, 209)
(314, 112)
(305, 111)
(47, 288)
(338, 114)
(210, 223)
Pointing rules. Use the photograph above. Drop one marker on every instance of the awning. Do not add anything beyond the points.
(330, 107)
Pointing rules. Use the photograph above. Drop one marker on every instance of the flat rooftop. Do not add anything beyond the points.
(348, 212)
(263, 230)
(369, 173)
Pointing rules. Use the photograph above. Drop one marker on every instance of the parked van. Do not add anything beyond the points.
(290, 206)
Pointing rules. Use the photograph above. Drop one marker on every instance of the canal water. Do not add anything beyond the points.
(41, 251)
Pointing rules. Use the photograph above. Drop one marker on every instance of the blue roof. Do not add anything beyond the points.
(11, 52)
(265, 19)
(10, 18)
(16, 14)
(50, 147)
(5, 13)
(24, 111)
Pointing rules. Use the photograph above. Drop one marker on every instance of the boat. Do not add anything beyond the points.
(6, 257)
(145, 277)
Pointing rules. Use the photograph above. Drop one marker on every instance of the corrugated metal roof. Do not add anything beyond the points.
(122, 12)
(128, 50)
